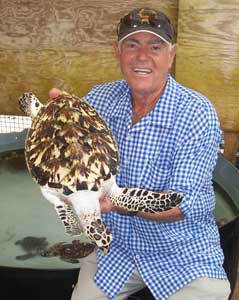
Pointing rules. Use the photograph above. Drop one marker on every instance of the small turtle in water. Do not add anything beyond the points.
(33, 246)
(69, 252)
(72, 154)
(38, 246)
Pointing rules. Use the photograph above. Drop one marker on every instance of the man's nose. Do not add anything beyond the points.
(142, 54)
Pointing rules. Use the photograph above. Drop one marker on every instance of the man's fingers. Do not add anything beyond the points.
(105, 204)
(54, 93)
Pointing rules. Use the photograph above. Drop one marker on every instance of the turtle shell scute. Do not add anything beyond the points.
(70, 147)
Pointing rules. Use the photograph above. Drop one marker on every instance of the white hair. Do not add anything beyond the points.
(170, 46)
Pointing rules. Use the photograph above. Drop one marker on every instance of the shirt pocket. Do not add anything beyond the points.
(157, 174)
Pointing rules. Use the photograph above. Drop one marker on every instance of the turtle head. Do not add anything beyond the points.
(29, 104)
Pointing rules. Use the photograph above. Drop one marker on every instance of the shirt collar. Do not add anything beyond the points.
(123, 104)
(163, 113)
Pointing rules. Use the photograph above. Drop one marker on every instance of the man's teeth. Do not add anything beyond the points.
(139, 70)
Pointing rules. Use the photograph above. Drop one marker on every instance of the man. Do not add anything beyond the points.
(168, 137)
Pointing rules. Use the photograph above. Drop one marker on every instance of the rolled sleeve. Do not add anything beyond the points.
(195, 159)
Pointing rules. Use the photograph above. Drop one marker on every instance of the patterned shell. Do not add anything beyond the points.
(69, 146)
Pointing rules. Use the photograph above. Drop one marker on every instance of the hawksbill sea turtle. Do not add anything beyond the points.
(38, 246)
(71, 153)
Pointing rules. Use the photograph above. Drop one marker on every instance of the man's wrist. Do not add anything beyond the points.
(132, 213)
(127, 213)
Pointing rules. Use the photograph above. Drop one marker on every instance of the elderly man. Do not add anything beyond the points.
(168, 137)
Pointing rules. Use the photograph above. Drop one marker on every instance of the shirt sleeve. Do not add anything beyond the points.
(194, 160)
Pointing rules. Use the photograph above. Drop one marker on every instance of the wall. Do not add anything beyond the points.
(208, 59)
(61, 43)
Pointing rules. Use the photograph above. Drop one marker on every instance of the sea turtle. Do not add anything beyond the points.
(33, 246)
(72, 154)
(38, 246)
(69, 252)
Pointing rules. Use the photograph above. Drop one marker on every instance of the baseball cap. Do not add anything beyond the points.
(145, 20)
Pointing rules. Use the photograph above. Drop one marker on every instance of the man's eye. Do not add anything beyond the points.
(131, 45)
(156, 47)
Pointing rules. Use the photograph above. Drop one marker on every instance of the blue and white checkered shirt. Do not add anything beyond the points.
(174, 147)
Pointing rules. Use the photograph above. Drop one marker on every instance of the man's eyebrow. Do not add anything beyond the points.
(131, 39)
(157, 41)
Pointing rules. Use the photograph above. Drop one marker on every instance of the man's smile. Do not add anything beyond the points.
(142, 70)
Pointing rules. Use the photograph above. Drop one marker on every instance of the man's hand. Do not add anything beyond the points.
(105, 204)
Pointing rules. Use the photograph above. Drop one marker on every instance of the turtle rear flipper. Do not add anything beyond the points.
(25, 256)
(64, 210)
(69, 219)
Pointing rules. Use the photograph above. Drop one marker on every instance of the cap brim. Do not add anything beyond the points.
(144, 30)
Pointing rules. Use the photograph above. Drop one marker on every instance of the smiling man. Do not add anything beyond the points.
(168, 138)
(145, 60)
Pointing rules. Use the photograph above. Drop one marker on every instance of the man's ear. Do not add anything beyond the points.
(172, 54)
(116, 47)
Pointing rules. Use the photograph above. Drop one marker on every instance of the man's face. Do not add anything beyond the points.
(145, 61)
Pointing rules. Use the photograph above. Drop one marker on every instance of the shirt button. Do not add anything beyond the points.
(129, 137)
(137, 257)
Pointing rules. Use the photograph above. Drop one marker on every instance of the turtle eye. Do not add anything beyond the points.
(37, 104)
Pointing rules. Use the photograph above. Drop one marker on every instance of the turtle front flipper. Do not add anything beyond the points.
(135, 200)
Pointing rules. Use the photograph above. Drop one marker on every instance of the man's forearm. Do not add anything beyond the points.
(172, 215)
